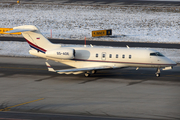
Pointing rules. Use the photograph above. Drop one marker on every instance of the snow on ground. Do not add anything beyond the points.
(139, 24)
(21, 49)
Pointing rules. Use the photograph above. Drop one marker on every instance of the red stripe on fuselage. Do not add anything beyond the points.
(36, 46)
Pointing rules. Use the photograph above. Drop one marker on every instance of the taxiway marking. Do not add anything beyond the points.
(23, 68)
(8, 108)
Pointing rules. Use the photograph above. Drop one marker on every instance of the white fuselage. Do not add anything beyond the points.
(90, 59)
(114, 57)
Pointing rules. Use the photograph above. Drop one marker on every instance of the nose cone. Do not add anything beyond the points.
(170, 62)
(173, 63)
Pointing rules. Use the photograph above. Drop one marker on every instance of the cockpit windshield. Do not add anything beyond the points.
(156, 54)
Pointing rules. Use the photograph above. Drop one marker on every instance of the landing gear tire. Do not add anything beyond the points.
(157, 74)
(93, 71)
(86, 74)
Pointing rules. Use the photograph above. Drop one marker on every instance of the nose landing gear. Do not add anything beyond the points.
(158, 72)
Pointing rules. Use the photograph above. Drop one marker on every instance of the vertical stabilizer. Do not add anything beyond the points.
(34, 37)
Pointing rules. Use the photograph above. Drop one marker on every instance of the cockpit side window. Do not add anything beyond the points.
(156, 54)
(152, 54)
(159, 54)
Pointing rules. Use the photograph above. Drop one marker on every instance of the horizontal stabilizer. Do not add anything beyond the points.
(24, 28)
(17, 30)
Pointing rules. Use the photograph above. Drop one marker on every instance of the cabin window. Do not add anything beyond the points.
(116, 55)
(96, 55)
(123, 56)
(129, 56)
(110, 55)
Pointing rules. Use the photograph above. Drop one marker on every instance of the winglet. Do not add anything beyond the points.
(49, 67)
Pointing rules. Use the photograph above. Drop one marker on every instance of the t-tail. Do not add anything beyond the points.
(34, 38)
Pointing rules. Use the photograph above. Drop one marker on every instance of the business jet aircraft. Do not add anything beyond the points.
(88, 60)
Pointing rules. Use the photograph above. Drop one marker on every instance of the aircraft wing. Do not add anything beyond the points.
(79, 70)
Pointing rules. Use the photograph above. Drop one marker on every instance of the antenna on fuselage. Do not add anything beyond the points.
(91, 45)
(127, 46)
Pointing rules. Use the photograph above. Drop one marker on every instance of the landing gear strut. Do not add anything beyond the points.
(158, 72)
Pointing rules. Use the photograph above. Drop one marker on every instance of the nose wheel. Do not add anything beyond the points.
(158, 72)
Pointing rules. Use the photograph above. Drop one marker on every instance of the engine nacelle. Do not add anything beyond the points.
(61, 53)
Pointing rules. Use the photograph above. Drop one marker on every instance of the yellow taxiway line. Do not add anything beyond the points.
(23, 68)
(8, 108)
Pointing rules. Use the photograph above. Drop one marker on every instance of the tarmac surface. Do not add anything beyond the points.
(27, 86)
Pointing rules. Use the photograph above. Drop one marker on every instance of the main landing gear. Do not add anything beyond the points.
(88, 73)
(158, 72)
